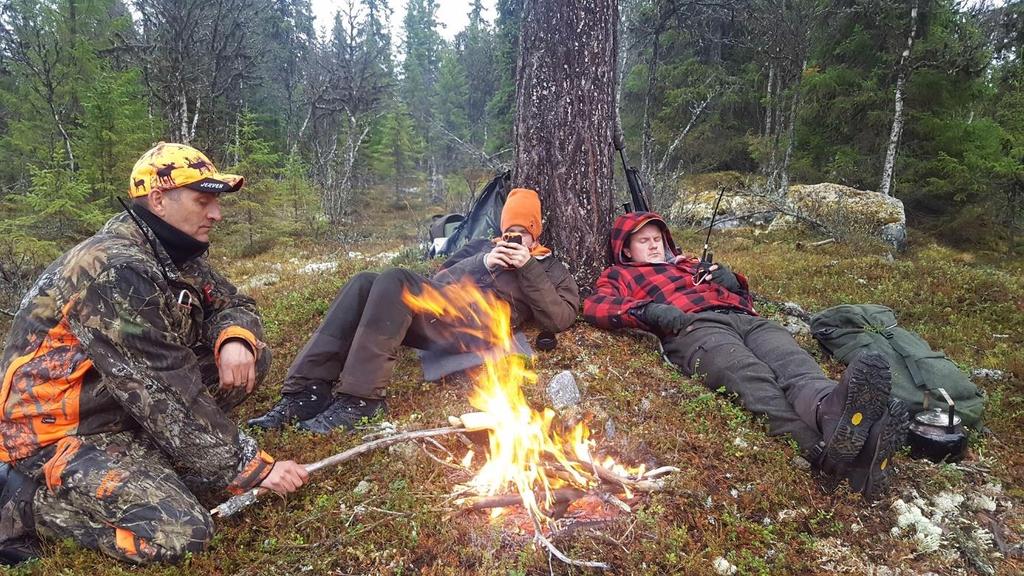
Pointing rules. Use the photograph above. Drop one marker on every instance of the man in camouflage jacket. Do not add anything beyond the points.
(118, 370)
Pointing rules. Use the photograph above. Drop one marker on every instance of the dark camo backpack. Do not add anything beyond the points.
(917, 370)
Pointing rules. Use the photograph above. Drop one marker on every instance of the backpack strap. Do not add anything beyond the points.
(910, 359)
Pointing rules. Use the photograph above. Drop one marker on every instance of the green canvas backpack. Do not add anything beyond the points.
(917, 370)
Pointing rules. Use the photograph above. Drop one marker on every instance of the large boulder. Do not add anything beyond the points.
(736, 209)
(843, 210)
(697, 195)
(846, 211)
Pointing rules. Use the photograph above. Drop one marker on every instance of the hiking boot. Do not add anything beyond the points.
(872, 472)
(295, 406)
(17, 525)
(846, 415)
(345, 412)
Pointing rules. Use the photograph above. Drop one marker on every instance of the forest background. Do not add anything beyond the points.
(351, 134)
(790, 90)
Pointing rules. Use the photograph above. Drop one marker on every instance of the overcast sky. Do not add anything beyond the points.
(452, 14)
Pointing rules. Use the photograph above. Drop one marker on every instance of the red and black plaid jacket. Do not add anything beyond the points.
(626, 285)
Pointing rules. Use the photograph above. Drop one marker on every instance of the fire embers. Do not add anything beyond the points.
(530, 459)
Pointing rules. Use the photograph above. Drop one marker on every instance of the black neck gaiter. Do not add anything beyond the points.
(180, 246)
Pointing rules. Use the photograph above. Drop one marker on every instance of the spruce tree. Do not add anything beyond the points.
(256, 207)
(501, 106)
(477, 56)
(450, 111)
(420, 68)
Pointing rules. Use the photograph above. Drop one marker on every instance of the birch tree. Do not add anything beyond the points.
(346, 93)
(897, 115)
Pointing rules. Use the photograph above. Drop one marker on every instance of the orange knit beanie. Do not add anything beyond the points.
(522, 207)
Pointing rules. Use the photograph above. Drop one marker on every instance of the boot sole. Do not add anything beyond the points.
(893, 437)
(868, 392)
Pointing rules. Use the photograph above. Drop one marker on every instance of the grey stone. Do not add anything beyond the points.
(839, 207)
(800, 463)
(793, 309)
(895, 235)
(796, 327)
(563, 391)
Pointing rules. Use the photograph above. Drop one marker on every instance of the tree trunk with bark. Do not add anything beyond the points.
(794, 105)
(897, 116)
(769, 106)
(565, 117)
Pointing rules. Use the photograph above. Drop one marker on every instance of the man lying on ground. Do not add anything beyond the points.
(118, 370)
(705, 319)
(341, 375)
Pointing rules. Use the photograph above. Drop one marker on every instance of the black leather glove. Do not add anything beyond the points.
(663, 317)
(720, 275)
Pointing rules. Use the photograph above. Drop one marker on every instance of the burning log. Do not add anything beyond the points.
(605, 492)
(557, 495)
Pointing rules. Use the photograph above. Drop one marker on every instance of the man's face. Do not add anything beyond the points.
(190, 211)
(528, 239)
(646, 245)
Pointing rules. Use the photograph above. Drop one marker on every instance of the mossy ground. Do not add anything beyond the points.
(738, 495)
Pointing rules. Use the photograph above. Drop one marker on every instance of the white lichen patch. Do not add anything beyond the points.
(946, 503)
(836, 557)
(723, 567)
(979, 501)
(946, 526)
(912, 520)
(318, 268)
(384, 257)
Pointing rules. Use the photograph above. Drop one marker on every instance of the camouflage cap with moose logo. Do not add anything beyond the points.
(169, 166)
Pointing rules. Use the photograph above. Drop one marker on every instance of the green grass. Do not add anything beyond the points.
(743, 501)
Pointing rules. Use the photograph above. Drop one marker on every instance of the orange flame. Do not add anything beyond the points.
(521, 440)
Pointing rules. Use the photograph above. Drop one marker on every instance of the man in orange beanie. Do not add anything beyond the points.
(340, 376)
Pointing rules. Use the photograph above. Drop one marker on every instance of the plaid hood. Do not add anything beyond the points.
(626, 224)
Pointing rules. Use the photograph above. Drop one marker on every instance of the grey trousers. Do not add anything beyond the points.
(760, 362)
(356, 345)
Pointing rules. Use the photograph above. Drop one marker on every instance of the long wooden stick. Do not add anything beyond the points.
(381, 443)
(237, 503)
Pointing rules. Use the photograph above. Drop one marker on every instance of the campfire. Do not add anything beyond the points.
(531, 459)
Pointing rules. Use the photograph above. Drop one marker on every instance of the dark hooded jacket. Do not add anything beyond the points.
(543, 290)
(626, 284)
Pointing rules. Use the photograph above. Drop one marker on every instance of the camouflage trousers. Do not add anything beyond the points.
(118, 493)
